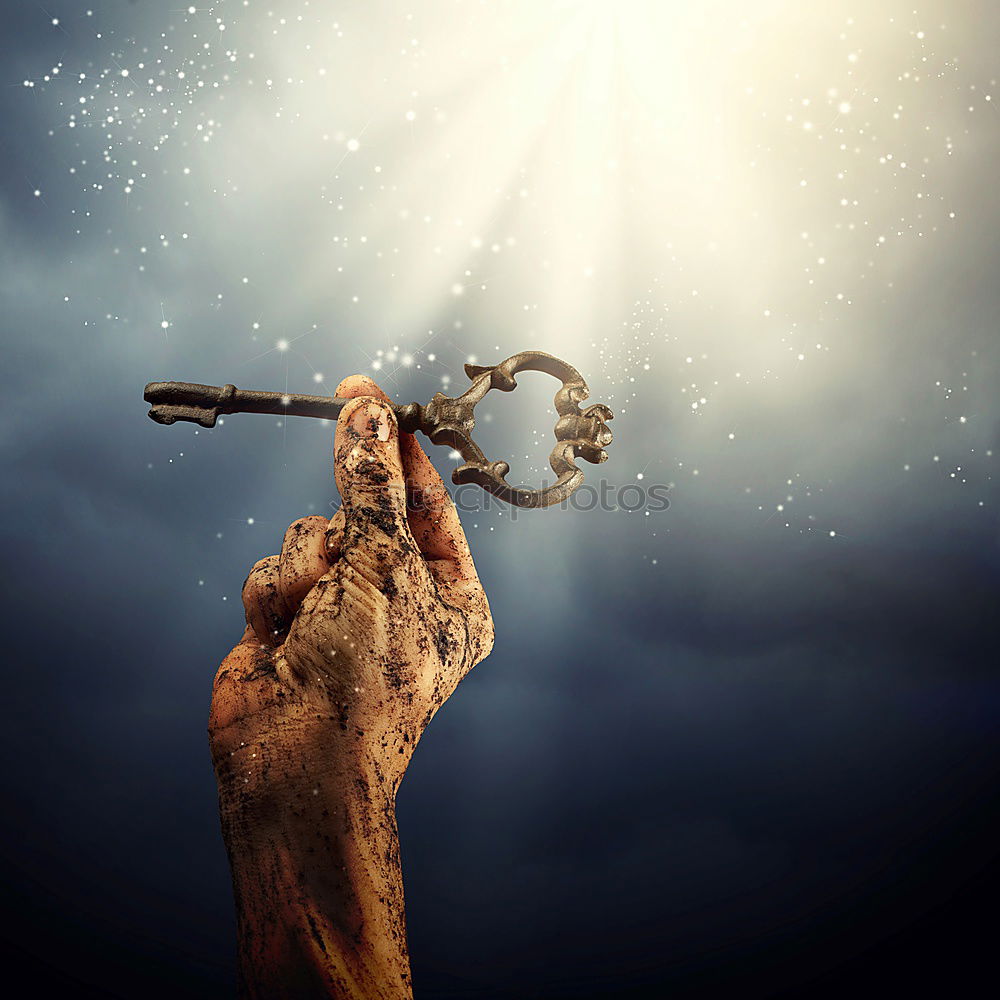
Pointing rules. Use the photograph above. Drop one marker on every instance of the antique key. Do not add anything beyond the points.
(447, 421)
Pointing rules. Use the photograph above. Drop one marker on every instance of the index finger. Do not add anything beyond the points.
(434, 519)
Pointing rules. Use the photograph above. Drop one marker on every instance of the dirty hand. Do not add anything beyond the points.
(356, 634)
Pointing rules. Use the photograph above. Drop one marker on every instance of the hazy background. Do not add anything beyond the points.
(743, 747)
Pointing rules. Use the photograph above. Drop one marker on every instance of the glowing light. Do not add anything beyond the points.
(647, 187)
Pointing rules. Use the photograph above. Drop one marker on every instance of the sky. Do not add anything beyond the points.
(744, 745)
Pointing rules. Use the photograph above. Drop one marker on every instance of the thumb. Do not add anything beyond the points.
(369, 473)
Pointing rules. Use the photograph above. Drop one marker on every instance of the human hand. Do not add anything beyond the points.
(357, 632)
(377, 614)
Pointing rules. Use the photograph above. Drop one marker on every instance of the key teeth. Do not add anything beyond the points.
(168, 415)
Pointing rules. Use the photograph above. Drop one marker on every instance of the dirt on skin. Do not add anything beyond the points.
(357, 632)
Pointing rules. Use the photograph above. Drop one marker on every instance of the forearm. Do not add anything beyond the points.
(312, 841)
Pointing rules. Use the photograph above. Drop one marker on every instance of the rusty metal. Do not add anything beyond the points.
(579, 433)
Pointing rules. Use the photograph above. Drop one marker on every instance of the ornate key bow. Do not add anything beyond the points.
(579, 433)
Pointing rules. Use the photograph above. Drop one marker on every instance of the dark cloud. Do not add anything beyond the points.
(762, 765)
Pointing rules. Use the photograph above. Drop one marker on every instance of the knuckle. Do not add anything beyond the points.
(304, 526)
(260, 574)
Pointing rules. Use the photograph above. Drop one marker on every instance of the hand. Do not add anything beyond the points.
(356, 634)
(378, 613)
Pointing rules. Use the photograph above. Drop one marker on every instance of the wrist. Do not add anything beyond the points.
(308, 818)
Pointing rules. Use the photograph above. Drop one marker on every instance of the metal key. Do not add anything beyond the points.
(446, 421)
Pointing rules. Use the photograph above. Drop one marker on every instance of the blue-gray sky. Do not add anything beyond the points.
(744, 746)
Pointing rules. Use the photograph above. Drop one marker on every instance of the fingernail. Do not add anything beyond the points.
(371, 421)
